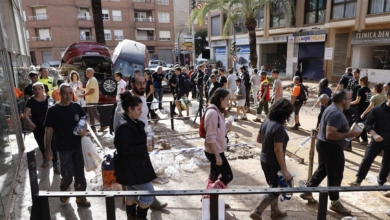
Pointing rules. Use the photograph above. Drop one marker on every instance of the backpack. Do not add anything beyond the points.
(202, 132)
(303, 94)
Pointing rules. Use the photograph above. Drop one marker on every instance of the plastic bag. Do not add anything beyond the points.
(92, 159)
(154, 104)
(183, 103)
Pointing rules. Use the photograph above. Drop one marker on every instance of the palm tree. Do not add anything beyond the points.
(98, 21)
(247, 9)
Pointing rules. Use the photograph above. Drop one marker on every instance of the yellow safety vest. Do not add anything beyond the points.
(49, 81)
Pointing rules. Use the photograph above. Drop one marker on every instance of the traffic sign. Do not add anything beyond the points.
(187, 44)
(186, 36)
(187, 40)
(235, 58)
(199, 5)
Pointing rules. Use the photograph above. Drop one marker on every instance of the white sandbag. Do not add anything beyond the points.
(92, 159)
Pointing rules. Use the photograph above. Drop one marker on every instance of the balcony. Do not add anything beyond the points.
(117, 18)
(41, 39)
(38, 17)
(163, 2)
(147, 40)
(145, 37)
(38, 42)
(144, 19)
(87, 38)
(143, 4)
(84, 17)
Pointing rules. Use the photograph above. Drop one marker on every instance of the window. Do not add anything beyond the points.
(83, 14)
(106, 15)
(42, 34)
(107, 34)
(163, 2)
(118, 34)
(38, 14)
(216, 25)
(379, 6)
(260, 19)
(279, 17)
(85, 34)
(24, 15)
(116, 15)
(315, 11)
(165, 35)
(163, 17)
(343, 9)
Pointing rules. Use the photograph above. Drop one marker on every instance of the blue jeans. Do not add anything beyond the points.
(160, 93)
(145, 200)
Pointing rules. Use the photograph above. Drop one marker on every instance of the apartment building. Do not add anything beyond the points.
(323, 38)
(53, 25)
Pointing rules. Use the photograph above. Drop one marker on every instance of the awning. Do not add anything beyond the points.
(146, 29)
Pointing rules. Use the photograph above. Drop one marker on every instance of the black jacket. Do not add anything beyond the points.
(379, 120)
(131, 160)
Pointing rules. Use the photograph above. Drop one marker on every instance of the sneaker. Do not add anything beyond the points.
(357, 182)
(235, 118)
(244, 118)
(308, 197)
(339, 208)
(56, 170)
(255, 216)
(257, 120)
(44, 163)
(157, 204)
(82, 201)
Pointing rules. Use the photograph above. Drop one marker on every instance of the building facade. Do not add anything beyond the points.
(323, 38)
(14, 54)
(53, 25)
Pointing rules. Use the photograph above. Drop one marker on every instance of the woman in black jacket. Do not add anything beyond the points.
(132, 163)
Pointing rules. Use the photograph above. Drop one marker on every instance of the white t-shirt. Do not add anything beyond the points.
(255, 80)
(232, 81)
(121, 87)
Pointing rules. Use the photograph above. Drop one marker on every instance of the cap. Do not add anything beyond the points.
(32, 73)
(177, 66)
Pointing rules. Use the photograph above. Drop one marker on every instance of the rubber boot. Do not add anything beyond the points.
(131, 211)
(261, 206)
(82, 201)
(157, 204)
(275, 211)
(210, 185)
(142, 213)
(65, 199)
(220, 185)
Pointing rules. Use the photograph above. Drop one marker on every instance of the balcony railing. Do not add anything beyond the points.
(144, 19)
(87, 38)
(41, 39)
(38, 17)
(117, 18)
(145, 1)
(163, 2)
(145, 37)
(83, 17)
(118, 37)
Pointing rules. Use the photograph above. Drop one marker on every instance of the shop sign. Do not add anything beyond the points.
(220, 50)
(310, 38)
(328, 53)
(291, 40)
(244, 49)
(220, 43)
(272, 39)
(371, 37)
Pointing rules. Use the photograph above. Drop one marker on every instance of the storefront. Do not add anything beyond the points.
(273, 53)
(14, 55)
(219, 52)
(371, 53)
(311, 55)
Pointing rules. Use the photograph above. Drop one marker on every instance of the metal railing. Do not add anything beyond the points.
(117, 18)
(84, 17)
(145, 37)
(41, 39)
(163, 2)
(144, 1)
(144, 19)
(118, 37)
(38, 17)
(87, 38)
(41, 209)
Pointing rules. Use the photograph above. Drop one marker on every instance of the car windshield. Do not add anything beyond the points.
(127, 68)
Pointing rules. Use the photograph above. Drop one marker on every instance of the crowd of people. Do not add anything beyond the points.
(341, 111)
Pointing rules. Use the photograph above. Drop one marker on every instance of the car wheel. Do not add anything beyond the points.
(108, 86)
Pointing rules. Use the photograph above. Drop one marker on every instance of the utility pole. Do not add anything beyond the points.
(193, 5)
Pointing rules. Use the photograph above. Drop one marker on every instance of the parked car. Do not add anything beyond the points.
(200, 61)
(55, 63)
(80, 56)
(128, 56)
(155, 63)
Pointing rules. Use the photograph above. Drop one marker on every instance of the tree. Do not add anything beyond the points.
(98, 21)
(200, 44)
(247, 9)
